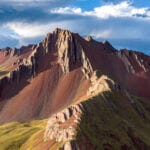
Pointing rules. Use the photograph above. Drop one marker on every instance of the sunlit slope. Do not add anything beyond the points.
(14, 135)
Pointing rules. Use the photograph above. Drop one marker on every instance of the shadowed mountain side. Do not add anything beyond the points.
(118, 123)
(129, 68)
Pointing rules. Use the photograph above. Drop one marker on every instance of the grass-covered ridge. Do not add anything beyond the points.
(111, 121)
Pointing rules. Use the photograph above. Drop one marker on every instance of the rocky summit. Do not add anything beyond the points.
(71, 93)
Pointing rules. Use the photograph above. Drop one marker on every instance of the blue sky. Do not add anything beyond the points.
(125, 23)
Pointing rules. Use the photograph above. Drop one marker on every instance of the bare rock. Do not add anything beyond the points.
(55, 127)
(88, 38)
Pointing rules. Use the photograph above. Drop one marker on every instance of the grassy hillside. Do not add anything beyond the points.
(113, 121)
(14, 135)
(26, 136)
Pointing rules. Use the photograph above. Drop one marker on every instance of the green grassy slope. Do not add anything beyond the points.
(111, 121)
(14, 135)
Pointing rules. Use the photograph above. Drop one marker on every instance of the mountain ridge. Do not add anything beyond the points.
(67, 52)
(94, 96)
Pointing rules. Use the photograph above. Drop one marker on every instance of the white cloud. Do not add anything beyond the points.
(123, 9)
(26, 33)
(27, 30)
(100, 23)
(105, 33)
(67, 10)
(31, 30)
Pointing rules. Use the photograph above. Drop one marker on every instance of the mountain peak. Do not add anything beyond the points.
(88, 38)
(107, 43)
(61, 31)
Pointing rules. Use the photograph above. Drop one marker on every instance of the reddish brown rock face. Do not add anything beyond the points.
(129, 68)
(45, 78)
(39, 80)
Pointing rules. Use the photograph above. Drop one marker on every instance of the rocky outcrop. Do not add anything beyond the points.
(134, 61)
(61, 127)
(99, 84)
(141, 63)
(71, 53)
(127, 63)
(88, 38)
(11, 52)
(20, 64)
(86, 66)
(66, 52)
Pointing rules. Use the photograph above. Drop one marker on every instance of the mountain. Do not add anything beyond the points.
(94, 96)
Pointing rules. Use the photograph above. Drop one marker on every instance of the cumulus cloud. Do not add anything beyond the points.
(123, 9)
(25, 30)
(32, 30)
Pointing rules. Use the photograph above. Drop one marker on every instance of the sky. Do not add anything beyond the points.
(124, 23)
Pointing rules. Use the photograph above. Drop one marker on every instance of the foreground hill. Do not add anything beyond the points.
(94, 96)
